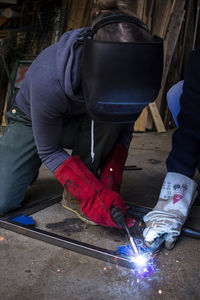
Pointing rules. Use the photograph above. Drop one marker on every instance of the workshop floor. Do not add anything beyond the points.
(32, 269)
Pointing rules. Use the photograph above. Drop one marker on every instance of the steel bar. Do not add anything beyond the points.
(70, 244)
(132, 168)
(190, 232)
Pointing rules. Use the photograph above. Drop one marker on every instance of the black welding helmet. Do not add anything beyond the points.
(119, 79)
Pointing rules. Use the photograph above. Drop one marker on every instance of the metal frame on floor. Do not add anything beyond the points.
(70, 244)
(58, 240)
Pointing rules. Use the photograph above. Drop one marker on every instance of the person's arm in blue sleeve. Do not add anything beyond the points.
(185, 152)
(178, 191)
(48, 107)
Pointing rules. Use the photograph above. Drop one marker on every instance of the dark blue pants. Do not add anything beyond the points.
(19, 161)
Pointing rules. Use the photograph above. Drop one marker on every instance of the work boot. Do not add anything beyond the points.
(71, 203)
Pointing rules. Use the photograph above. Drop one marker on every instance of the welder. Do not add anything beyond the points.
(179, 188)
(82, 93)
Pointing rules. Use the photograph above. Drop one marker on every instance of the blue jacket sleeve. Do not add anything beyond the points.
(185, 152)
(48, 108)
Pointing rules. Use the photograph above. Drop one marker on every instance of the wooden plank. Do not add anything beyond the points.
(144, 14)
(156, 117)
(78, 14)
(134, 5)
(71, 17)
(66, 4)
(170, 45)
(160, 17)
(149, 123)
(168, 14)
(172, 38)
(140, 9)
(188, 35)
(148, 13)
(140, 123)
(86, 15)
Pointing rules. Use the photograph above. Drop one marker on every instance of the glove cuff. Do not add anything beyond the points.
(177, 193)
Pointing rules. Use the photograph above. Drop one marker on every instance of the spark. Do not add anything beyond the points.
(105, 269)
(139, 260)
(58, 270)
(160, 292)
(2, 238)
(145, 270)
(143, 261)
(138, 280)
(177, 261)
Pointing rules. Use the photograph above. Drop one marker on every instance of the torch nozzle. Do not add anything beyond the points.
(118, 217)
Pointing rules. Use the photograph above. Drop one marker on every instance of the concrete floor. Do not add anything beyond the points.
(32, 269)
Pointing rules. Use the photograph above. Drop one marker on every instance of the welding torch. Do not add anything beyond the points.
(119, 219)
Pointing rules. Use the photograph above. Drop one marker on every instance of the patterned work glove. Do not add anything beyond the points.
(170, 213)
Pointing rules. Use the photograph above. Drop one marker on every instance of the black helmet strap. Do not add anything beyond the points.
(118, 19)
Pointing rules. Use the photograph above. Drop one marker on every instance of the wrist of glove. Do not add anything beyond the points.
(95, 200)
(177, 195)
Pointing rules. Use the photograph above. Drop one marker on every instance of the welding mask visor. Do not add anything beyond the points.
(119, 79)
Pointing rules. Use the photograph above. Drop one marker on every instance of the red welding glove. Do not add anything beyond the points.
(111, 173)
(95, 200)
